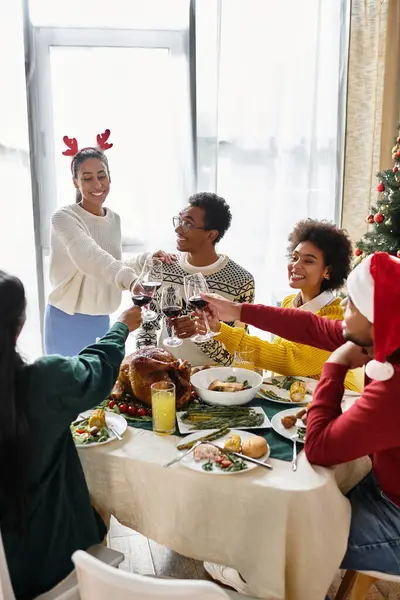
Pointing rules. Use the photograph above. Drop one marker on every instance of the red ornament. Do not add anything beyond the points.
(395, 169)
(370, 219)
(357, 252)
(379, 218)
(398, 153)
(380, 187)
(398, 140)
(398, 253)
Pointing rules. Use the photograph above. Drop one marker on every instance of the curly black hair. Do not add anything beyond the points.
(332, 241)
(217, 214)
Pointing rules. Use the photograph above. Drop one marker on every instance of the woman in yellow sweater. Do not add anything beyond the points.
(320, 257)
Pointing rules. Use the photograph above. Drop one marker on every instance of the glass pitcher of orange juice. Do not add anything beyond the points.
(163, 407)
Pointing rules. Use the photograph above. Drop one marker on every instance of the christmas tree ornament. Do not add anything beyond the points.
(398, 153)
(398, 254)
(394, 149)
(370, 219)
(395, 169)
(357, 252)
(398, 140)
(380, 187)
(379, 218)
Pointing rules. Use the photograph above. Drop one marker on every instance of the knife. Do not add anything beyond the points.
(242, 456)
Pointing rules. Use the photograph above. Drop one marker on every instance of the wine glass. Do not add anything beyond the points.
(194, 286)
(171, 306)
(149, 281)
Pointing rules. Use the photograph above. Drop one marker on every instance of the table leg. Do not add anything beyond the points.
(346, 585)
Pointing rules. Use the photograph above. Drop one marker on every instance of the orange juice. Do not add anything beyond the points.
(163, 408)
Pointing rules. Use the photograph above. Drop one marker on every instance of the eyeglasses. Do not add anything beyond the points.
(185, 225)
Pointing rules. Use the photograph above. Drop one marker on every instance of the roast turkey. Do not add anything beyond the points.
(149, 365)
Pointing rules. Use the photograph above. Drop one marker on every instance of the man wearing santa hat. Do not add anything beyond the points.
(369, 335)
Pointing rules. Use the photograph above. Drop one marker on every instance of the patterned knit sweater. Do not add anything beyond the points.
(224, 277)
(282, 356)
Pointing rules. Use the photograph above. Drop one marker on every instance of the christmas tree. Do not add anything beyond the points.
(384, 218)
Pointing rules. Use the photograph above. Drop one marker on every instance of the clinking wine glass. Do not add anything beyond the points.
(195, 285)
(145, 287)
(171, 306)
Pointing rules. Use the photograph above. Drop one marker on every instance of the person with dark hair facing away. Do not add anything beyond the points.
(45, 509)
(320, 256)
(199, 227)
(86, 271)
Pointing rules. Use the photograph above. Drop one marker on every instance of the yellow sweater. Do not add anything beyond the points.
(284, 357)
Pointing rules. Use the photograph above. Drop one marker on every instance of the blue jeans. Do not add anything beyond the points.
(374, 540)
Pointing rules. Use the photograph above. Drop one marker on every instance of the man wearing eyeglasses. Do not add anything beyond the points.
(199, 227)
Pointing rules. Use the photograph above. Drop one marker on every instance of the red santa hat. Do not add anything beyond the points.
(374, 288)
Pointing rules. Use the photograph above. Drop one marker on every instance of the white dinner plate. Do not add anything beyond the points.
(117, 422)
(194, 465)
(185, 428)
(279, 428)
(285, 394)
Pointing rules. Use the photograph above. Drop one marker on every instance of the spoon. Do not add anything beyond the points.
(294, 439)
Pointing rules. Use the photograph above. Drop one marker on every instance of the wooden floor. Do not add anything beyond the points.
(149, 558)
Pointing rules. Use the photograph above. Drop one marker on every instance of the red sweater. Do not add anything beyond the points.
(370, 427)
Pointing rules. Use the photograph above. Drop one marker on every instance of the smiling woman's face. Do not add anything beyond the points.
(307, 269)
(93, 181)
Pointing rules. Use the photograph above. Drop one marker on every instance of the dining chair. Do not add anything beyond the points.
(98, 581)
(357, 583)
(68, 588)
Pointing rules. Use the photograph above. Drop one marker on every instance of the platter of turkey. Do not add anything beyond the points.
(207, 458)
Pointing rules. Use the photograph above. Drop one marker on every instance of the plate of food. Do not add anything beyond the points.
(199, 416)
(206, 458)
(288, 390)
(226, 386)
(291, 422)
(95, 427)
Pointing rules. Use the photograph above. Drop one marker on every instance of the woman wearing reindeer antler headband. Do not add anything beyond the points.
(86, 270)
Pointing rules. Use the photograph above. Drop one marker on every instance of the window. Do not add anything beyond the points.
(270, 138)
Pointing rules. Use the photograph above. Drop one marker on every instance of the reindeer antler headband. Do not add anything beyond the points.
(72, 144)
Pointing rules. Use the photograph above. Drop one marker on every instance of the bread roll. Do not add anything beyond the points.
(255, 447)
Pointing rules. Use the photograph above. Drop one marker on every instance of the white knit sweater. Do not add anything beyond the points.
(86, 270)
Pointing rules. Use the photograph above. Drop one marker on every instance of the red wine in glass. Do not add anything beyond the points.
(197, 302)
(171, 312)
(141, 299)
(150, 287)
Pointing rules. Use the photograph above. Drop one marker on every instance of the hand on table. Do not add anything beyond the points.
(132, 318)
(350, 355)
(219, 307)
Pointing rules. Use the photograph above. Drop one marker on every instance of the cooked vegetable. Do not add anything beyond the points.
(202, 416)
(97, 418)
(205, 438)
(234, 443)
(228, 463)
(302, 434)
(297, 391)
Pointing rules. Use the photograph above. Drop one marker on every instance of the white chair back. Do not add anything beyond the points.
(98, 581)
(6, 589)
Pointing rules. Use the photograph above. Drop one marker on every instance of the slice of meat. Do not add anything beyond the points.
(206, 452)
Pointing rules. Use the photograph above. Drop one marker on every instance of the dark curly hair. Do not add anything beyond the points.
(80, 158)
(217, 214)
(332, 241)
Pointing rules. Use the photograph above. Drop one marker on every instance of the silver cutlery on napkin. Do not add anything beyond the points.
(294, 439)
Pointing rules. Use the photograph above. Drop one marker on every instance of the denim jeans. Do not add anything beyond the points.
(374, 540)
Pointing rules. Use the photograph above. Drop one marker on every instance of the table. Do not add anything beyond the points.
(285, 532)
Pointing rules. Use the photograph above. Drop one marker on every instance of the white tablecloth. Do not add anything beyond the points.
(285, 532)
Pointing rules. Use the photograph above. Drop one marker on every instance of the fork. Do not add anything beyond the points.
(172, 462)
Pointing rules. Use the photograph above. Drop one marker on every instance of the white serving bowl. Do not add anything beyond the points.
(202, 380)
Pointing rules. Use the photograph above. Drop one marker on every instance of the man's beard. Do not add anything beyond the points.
(366, 343)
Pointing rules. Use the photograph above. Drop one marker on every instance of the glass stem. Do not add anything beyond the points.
(208, 330)
(173, 332)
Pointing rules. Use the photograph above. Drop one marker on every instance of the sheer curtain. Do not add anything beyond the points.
(278, 125)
